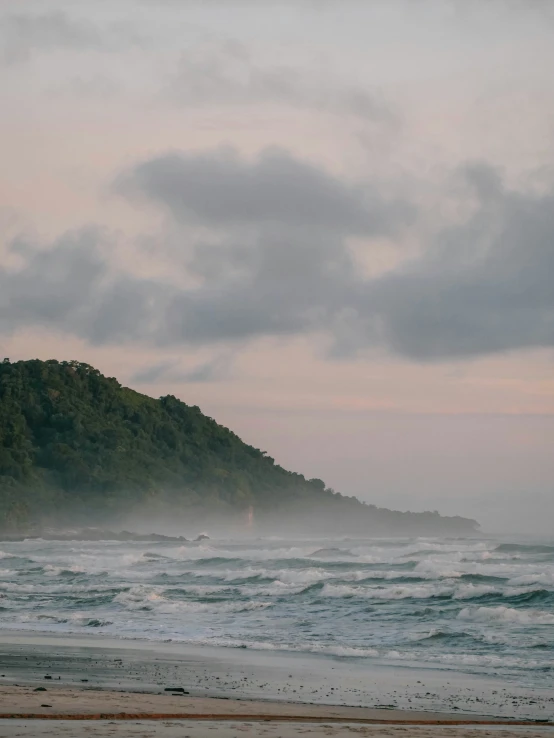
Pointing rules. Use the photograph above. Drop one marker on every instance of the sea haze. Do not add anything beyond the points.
(479, 606)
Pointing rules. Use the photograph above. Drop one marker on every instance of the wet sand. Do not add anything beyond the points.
(53, 686)
(56, 702)
(59, 711)
(190, 729)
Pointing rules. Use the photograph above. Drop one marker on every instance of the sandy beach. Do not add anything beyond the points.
(52, 686)
(234, 729)
(60, 711)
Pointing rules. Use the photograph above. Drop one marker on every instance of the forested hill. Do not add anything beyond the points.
(78, 448)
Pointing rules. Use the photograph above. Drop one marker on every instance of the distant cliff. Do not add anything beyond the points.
(78, 448)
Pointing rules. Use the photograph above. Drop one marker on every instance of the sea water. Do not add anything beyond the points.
(479, 605)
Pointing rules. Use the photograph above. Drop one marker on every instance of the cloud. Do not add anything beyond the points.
(20, 34)
(219, 188)
(215, 369)
(275, 262)
(210, 371)
(228, 75)
(279, 264)
(153, 373)
(71, 287)
(53, 282)
(486, 286)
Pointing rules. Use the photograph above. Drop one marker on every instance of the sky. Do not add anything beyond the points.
(328, 224)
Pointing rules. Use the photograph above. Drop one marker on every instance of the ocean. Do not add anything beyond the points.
(476, 606)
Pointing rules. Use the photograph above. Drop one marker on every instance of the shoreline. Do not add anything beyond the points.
(99, 678)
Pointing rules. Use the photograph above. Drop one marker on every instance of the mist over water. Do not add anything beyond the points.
(478, 605)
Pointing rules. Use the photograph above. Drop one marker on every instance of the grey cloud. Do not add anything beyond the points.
(228, 75)
(210, 371)
(21, 34)
(488, 287)
(293, 283)
(53, 283)
(221, 188)
(71, 287)
(213, 370)
(153, 373)
(483, 286)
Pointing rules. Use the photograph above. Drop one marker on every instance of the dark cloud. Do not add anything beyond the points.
(487, 286)
(277, 262)
(227, 74)
(220, 188)
(71, 287)
(280, 265)
(54, 284)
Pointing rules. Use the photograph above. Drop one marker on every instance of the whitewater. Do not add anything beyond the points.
(477, 606)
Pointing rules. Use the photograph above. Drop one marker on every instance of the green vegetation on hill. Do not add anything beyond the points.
(77, 447)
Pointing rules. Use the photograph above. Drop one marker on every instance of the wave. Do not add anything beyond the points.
(63, 571)
(331, 552)
(525, 548)
(287, 576)
(199, 553)
(435, 635)
(84, 621)
(449, 604)
(437, 591)
(385, 593)
(140, 598)
(503, 614)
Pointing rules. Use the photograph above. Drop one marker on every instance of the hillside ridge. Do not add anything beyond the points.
(77, 447)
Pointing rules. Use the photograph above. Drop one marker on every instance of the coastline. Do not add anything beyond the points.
(99, 676)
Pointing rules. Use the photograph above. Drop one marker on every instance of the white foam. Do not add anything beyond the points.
(149, 598)
(421, 591)
(196, 553)
(287, 576)
(56, 571)
(545, 578)
(507, 615)
(468, 591)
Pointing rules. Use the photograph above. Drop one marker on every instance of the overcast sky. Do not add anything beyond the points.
(330, 224)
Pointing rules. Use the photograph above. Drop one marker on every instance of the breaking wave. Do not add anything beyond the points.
(474, 605)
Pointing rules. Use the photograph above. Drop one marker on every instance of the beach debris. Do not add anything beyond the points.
(46, 705)
(179, 690)
(48, 677)
(40, 689)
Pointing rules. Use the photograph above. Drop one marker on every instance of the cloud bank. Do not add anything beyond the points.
(276, 261)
